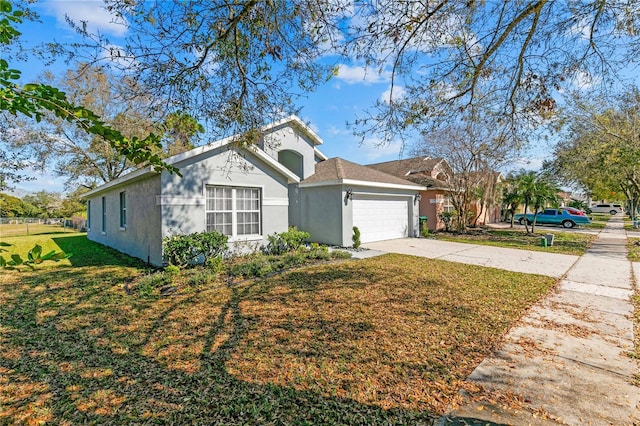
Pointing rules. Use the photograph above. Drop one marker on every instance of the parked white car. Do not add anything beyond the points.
(607, 208)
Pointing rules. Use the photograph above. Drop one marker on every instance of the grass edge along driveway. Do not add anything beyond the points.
(386, 340)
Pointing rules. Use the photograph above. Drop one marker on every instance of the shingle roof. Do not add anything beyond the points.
(402, 168)
(416, 169)
(338, 169)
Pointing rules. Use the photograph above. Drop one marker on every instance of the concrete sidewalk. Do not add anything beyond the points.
(566, 361)
(530, 262)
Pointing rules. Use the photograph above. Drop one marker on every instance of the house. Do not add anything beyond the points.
(430, 173)
(248, 191)
(435, 175)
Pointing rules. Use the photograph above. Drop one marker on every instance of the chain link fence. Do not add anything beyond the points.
(16, 226)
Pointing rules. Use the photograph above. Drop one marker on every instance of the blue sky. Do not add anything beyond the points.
(327, 110)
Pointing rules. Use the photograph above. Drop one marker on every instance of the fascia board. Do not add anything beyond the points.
(319, 154)
(136, 174)
(363, 183)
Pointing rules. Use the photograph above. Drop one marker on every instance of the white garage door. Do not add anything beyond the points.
(380, 219)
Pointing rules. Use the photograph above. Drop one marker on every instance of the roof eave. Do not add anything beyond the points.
(385, 185)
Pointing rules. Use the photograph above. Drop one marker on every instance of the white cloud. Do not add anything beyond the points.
(97, 18)
(581, 28)
(397, 94)
(583, 80)
(118, 57)
(526, 163)
(360, 74)
(373, 150)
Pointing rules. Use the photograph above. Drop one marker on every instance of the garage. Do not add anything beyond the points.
(381, 219)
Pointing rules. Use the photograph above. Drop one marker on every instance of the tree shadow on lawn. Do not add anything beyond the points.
(68, 356)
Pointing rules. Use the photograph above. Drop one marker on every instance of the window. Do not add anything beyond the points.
(233, 211)
(123, 209)
(448, 205)
(89, 214)
(104, 215)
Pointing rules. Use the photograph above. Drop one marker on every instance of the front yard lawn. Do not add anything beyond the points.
(564, 242)
(386, 340)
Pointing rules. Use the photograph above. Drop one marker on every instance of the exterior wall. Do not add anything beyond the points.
(431, 205)
(287, 138)
(183, 198)
(327, 214)
(322, 210)
(141, 238)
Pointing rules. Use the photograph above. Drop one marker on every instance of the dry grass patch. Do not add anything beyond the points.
(393, 331)
(387, 340)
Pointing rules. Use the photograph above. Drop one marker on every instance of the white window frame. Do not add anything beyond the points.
(235, 210)
(448, 206)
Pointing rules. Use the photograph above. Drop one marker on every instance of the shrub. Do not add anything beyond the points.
(340, 254)
(447, 219)
(201, 277)
(318, 252)
(255, 266)
(147, 285)
(356, 237)
(286, 242)
(185, 250)
(216, 265)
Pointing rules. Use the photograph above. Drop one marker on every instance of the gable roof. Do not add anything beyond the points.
(408, 166)
(414, 169)
(292, 120)
(336, 171)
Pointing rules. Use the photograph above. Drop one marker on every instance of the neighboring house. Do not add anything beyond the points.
(249, 191)
(488, 208)
(434, 174)
(430, 173)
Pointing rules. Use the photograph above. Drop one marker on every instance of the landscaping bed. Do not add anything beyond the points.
(386, 340)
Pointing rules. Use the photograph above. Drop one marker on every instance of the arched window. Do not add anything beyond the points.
(292, 161)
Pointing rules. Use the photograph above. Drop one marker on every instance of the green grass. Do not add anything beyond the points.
(386, 340)
(633, 245)
(20, 229)
(564, 242)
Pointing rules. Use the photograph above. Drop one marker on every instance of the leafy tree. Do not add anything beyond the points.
(512, 59)
(536, 190)
(36, 100)
(233, 65)
(599, 149)
(511, 196)
(11, 206)
(180, 129)
(48, 203)
(474, 149)
(83, 158)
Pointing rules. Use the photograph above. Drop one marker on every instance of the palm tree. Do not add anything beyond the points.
(546, 193)
(511, 197)
(526, 183)
(536, 190)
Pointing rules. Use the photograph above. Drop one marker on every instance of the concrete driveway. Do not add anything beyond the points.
(530, 262)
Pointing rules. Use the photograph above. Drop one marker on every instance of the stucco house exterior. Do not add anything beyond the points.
(250, 191)
(430, 173)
